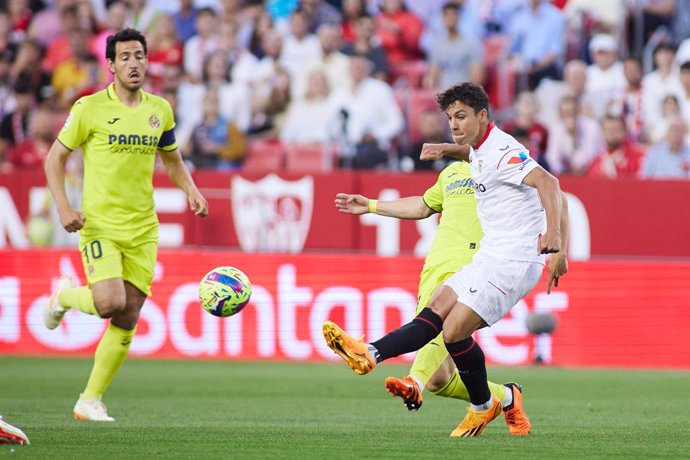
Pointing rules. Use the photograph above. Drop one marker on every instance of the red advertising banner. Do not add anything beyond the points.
(621, 314)
(293, 213)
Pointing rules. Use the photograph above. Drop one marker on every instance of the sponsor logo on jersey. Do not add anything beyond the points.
(460, 187)
(133, 143)
(519, 158)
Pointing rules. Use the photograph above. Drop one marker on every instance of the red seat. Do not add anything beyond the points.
(410, 72)
(310, 158)
(420, 101)
(264, 156)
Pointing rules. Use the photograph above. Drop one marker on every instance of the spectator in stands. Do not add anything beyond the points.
(469, 22)
(550, 92)
(7, 96)
(140, 16)
(399, 32)
(20, 18)
(185, 20)
(14, 127)
(629, 106)
(215, 142)
(538, 43)
(270, 103)
(605, 78)
(620, 157)
(525, 126)
(685, 94)
(332, 62)
(234, 98)
(352, 11)
(574, 140)
(366, 44)
(453, 56)
(33, 149)
(656, 85)
(651, 15)
(27, 66)
(433, 129)
(243, 64)
(604, 16)
(46, 26)
(368, 115)
(60, 49)
(308, 120)
(79, 75)
(671, 109)
(669, 159)
(202, 44)
(319, 13)
(114, 22)
(681, 22)
(300, 47)
(7, 46)
(164, 49)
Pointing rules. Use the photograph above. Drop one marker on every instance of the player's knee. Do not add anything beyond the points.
(111, 306)
(436, 382)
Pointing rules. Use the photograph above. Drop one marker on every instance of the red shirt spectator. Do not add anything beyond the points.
(620, 158)
(30, 153)
(399, 32)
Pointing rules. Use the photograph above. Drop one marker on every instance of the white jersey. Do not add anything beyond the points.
(510, 212)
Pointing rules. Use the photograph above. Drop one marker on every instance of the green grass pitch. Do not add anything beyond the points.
(236, 410)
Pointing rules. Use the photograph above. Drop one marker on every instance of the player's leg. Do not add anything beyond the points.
(112, 350)
(362, 357)
(102, 260)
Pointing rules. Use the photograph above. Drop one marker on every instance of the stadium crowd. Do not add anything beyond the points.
(595, 88)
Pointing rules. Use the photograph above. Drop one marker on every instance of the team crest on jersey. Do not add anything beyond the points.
(154, 122)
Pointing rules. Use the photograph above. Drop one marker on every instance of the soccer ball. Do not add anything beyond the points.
(224, 291)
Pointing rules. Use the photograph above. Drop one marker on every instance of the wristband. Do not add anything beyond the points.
(372, 206)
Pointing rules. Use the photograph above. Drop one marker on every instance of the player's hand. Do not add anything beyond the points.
(71, 219)
(558, 266)
(197, 203)
(549, 243)
(351, 204)
(431, 152)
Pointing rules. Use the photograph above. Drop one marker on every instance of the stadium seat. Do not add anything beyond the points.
(420, 101)
(310, 158)
(408, 73)
(264, 156)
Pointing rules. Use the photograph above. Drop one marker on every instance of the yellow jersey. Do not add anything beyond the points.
(119, 144)
(459, 231)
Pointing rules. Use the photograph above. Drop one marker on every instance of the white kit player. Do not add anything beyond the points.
(523, 214)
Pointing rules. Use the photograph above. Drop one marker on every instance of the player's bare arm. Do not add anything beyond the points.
(551, 199)
(412, 207)
(179, 174)
(70, 219)
(558, 265)
(433, 152)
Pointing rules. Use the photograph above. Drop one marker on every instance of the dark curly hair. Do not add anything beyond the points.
(125, 35)
(468, 93)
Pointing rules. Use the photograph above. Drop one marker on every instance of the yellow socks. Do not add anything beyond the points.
(110, 354)
(456, 389)
(78, 298)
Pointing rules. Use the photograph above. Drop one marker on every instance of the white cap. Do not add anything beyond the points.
(603, 42)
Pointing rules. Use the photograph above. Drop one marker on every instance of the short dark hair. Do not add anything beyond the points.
(685, 66)
(451, 6)
(125, 35)
(468, 93)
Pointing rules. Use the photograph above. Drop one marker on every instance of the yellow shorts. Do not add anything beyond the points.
(132, 261)
(430, 357)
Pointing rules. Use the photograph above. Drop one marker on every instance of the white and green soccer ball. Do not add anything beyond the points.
(224, 291)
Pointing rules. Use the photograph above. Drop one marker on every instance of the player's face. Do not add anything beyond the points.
(130, 64)
(466, 124)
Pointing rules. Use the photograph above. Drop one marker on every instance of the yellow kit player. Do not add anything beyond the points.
(120, 129)
(456, 241)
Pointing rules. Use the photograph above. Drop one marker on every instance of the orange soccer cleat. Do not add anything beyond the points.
(516, 418)
(475, 422)
(407, 389)
(354, 352)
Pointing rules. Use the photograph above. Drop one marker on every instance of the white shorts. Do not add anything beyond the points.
(491, 287)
